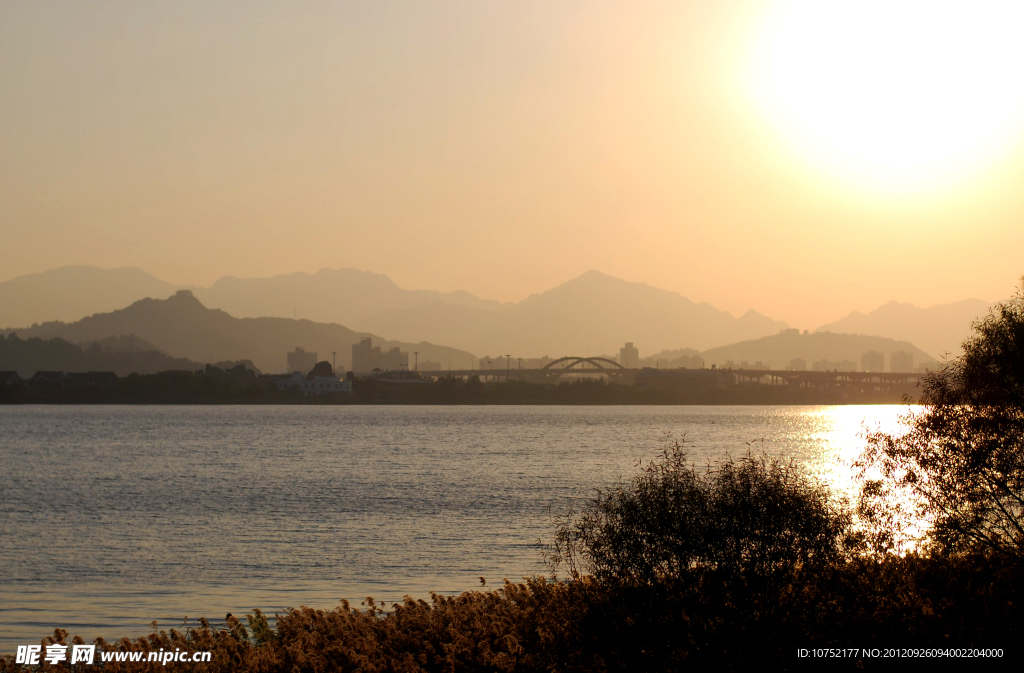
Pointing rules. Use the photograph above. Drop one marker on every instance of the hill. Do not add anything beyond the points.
(347, 296)
(182, 326)
(592, 313)
(938, 329)
(73, 292)
(778, 350)
(27, 356)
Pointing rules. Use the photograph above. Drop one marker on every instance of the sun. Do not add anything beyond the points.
(906, 89)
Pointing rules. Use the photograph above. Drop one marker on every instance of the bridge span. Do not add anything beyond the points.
(580, 367)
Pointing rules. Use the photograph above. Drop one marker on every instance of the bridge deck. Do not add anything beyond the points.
(737, 374)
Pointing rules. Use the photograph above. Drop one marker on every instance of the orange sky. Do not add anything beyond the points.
(496, 147)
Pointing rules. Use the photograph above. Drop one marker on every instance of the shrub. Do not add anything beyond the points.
(755, 517)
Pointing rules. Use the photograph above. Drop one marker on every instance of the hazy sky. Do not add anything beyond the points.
(801, 158)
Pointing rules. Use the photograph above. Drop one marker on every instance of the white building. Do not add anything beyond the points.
(321, 385)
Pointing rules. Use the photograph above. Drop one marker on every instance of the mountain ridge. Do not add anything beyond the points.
(183, 327)
(778, 350)
(589, 313)
(570, 317)
(937, 329)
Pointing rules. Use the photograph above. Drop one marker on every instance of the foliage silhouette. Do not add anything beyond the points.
(960, 468)
(755, 518)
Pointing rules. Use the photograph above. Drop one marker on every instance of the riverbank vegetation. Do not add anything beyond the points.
(727, 567)
(217, 385)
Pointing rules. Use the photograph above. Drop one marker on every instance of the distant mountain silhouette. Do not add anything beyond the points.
(343, 296)
(347, 296)
(122, 343)
(183, 327)
(778, 350)
(73, 292)
(938, 329)
(592, 313)
(28, 356)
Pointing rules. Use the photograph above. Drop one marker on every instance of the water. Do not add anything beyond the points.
(111, 517)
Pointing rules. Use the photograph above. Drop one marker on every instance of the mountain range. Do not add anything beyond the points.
(591, 313)
(74, 292)
(587, 315)
(938, 330)
(181, 326)
(778, 350)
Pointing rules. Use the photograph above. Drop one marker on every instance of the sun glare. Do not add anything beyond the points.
(903, 90)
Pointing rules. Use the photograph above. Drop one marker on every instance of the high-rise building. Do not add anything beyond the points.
(846, 366)
(834, 366)
(301, 361)
(901, 361)
(629, 357)
(366, 357)
(872, 361)
(821, 366)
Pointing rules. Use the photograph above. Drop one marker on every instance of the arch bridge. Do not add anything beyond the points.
(570, 364)
(598, 364)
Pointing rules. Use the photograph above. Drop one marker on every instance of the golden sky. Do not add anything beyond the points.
(802, 158)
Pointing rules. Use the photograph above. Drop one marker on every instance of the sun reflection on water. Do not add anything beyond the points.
(841, 435)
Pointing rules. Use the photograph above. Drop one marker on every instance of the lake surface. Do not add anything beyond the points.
(113, 516)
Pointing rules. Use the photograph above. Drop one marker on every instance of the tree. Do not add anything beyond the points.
(960, 468)
(321, 369)
(753, 518)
